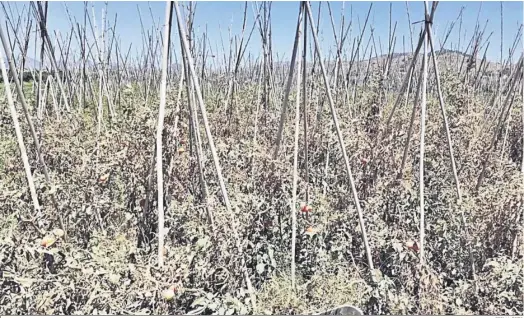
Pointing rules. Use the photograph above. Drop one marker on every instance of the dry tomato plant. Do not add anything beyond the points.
(107, 261)
(288, 238)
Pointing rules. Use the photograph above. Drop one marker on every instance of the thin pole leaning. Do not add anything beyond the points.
(340, 139)
(442, 108)
(39, 13)
(412, 65)
(19, 136)
(288, 87)
(304, 107)
(25, 107)
(160, 129)
(422, 226)
(212, 147)
(520, 215)
(198, 142)
(295, 173)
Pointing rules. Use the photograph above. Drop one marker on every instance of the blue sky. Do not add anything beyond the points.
(284, 15)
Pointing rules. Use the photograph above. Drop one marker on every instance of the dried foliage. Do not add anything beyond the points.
(107, 262)
(97, 131)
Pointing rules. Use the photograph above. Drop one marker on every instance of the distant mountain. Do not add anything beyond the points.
(31, 63)
(409, 54)
(448, 51)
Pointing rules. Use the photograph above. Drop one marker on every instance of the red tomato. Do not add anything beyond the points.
(412, 245)
(305, 208)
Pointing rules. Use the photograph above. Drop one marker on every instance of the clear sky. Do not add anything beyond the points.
(220, 15)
